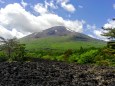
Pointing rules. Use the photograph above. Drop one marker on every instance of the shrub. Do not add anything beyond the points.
(73, 58)
(88, 57)
(103, 63)
(60, 58)
(2, 57)
(30, 54)
(47, 57)
(99, 58)
(67, 53)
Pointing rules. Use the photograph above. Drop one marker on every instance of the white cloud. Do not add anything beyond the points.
(51, 4)
(67, 6)
(113, 6)
(4, 32)
(40, 8)
(98, 35)
(60, 1)
(110, 24)
(74, 25)
(91, 35)
(9, 34)
(17, 34)
(14, 16)
(24, 4)
(43, 8)
(95, 32)
(91, 27)
(19, 22)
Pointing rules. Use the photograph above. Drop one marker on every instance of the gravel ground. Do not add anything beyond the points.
(52, 73)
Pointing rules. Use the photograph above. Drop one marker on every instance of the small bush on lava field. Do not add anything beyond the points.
(73, 58)
(88, 57)
(2, 57)
(103, 63)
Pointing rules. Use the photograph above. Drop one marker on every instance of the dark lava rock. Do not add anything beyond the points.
(52, 73)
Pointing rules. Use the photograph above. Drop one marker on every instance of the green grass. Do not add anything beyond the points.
(63, 42)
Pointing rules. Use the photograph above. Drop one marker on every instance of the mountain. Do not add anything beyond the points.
(59, 31)
(54, 31)
(60, 37)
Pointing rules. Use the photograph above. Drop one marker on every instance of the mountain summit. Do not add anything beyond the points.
(59, 31)
(53, 31)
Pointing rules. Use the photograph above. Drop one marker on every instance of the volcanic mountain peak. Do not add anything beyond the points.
(53, 31)
(59, 31)
(59, 37)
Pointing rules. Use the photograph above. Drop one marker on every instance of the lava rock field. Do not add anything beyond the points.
(52, 73)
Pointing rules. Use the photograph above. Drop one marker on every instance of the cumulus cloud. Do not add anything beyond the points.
(9, 34)
(24, 4)
(110, 24)
(40, 8)
(4, 32)
(16, 21)
(14, 16)
(98, 35)
(50, 4)
(95, 32)
(66, 5)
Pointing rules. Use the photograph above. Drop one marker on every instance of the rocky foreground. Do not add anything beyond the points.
(50, 73)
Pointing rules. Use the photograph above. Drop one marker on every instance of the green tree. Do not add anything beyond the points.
(67, 53)
(8, 45)
(19, 51)
(12, 48)
(109, 32)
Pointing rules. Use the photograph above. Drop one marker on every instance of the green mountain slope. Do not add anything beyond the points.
(63, 42)
(60, 37)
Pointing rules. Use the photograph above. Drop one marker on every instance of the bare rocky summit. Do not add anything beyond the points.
(52, 73)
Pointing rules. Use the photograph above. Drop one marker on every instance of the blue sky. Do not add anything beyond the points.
(22, 17)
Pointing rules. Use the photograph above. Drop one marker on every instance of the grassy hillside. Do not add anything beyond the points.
(57, 42)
